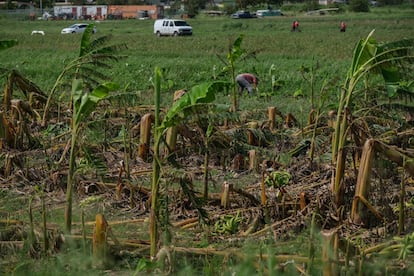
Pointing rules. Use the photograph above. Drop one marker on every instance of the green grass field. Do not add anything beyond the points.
(191, 60)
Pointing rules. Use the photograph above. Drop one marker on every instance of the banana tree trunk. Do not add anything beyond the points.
(358, 211)
(6, 132)
(145, 136)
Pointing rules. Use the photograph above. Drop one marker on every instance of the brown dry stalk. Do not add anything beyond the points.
(145, 135)
(271, 115)
(119, 184)
(337, 177)
(302, 200)
(251, 197)
(290, 120)
(171, 136)
(263, 190)
(252, 227)
(19, 244)
(100, 239)
(185, 222)
(115, 222)
(269, 227)
(7, 222)
(119, 243)
(235, 252)
(190, 225)
(370, 207)
(377, 248)
(362, 186)
(225, 194)
(171, 140)
(253, 161)
(395, 155)
(251, 139)
(330, 252)
(312, 117)
(6, 130)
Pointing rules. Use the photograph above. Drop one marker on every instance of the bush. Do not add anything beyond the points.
(359, 6)
(312, 5)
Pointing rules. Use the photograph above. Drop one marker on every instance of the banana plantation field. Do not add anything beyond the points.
(123, 153)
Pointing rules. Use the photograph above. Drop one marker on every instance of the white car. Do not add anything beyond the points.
(76, 28)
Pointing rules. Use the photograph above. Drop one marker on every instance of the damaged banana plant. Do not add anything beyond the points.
(197, 97)
(94, 56)
(84, 103)
(15, 113)
(391, 62)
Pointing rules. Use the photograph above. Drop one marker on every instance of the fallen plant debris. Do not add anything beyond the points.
(280, 218)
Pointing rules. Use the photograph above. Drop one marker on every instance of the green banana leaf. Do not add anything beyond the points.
(199, 95)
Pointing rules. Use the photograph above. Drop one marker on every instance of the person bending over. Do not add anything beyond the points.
(245, 81)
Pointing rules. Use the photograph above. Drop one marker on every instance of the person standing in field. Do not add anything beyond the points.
(295, 26)
(245, 81)
(342, 26)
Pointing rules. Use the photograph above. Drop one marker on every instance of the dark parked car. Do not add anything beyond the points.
(243, 14)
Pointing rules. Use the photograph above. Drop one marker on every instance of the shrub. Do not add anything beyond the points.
(312, 5)
(359, 6)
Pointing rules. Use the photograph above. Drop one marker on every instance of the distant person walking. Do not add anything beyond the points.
(295, 26)
(245, 81)
(342, 26)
